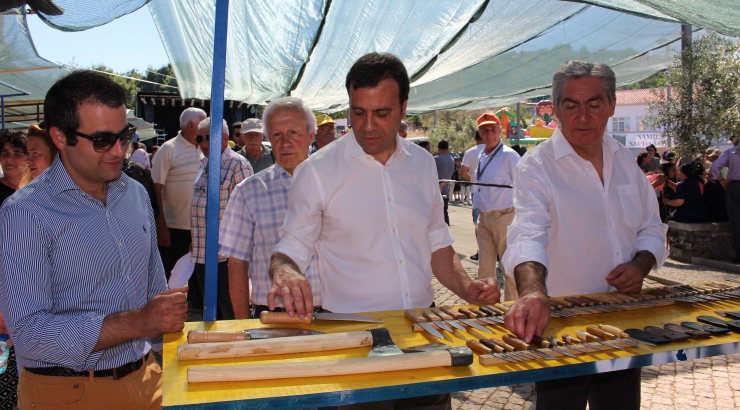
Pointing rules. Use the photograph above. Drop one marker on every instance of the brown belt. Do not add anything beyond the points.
(117, 373)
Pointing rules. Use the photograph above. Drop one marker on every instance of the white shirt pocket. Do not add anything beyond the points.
(629, 196)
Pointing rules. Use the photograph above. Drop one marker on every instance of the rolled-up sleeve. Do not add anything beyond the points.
(651, 235)
(37, 333)
(302, 224)
(719, 163)
(527, 235)
(438, 232)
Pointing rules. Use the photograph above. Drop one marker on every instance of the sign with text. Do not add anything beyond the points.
(641, 140)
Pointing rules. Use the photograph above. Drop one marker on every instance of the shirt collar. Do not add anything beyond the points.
(60, 181)
(285, 178)
(353, 149)
(562, 147)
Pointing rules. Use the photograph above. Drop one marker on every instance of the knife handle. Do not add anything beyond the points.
(427, 313)
(569, 340)
(600, 333)
(450, 311)
(538, 341)
(267, 318)
(477, 312)
(467, 312)
(586, 337)
(514, 341)
(554, 341)
(414, 316)
(496, 310)
(501, 343)
(501, 307)
(441, 314)
(204, 336)
(477, 347)
(613, 330)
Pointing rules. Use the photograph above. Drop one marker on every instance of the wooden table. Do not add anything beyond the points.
(328, 391)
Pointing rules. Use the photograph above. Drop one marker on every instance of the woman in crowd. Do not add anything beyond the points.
(41, 152)
(688, 199)
(13, 159)
(643, 161)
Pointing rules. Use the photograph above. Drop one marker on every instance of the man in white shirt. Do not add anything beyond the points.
(174, 170)
(496, 165)
(369, 206)
(586, 221)
(469, 164)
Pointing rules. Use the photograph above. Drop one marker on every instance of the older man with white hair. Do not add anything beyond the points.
(251, 225)
(174, 170)
(234, 169)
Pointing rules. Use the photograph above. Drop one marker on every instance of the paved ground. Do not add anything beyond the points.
(712, 383)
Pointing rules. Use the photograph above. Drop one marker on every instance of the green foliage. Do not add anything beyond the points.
(704, 107)
(162, 75)
(415, 120)
(457, 127)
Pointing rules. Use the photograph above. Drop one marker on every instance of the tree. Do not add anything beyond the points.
(163, 75)
(705, 95)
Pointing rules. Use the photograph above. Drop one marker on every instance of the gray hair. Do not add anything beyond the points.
(293, 103)
(404, 125)
(207, 124)
(574, 69)
(191, 114)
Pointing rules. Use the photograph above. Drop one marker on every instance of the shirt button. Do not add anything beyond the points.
(401, 261)
(407, 293)
(394, 231)
(389, 199)
(120, 244)
(617, 253)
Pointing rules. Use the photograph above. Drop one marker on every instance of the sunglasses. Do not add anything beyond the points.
(103, 141)
(200, 138)
(326, 128)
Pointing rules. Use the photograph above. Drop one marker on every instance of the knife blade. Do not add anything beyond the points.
(588, 337)
(521, 345)
(504, 352)
(448, 319)
(554, 341)
(283, 318)
(203, 336)
(434, 319)
(547, 345)
(512, 350)
(421, 321)
(482, 349)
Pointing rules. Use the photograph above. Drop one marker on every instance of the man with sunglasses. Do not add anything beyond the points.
(82, 288)
(236, 133)
(234, 169)
(325, 132)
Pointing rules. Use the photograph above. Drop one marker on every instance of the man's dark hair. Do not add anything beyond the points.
(373, 68)
(16, 138)
(64, 98)
(443, 145)
(477, 136)
(424, 144)
(236, 125)
(651, 146)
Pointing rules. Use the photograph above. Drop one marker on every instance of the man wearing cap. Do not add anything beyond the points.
(731, 159)
(496, 165)
(234, 169)
(236, 133)
(259, 156)
(325, 133)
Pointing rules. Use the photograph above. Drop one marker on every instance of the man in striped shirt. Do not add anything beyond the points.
(82, 288)
(234, 169)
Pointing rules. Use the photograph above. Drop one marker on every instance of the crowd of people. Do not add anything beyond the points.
(312, 223)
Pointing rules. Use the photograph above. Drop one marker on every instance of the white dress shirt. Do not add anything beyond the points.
(374, 227)
(577, 227)
(499, 171)
(176, 166)
(470, 159)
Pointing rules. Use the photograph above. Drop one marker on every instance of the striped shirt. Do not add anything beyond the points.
(234, 169)
(251, 228)
(68, 260)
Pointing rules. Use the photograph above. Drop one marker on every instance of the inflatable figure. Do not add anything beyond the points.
(507, 118)
(544, 121)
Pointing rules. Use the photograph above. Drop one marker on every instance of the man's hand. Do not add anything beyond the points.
(294, 288)
(483, 291)
(164, 313)
(627, 277)
(163, 233)
(528, 316)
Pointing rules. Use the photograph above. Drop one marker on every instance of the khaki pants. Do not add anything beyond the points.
(492, 244)
(141, 389)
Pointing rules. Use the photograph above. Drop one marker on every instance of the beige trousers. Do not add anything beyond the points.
(492, 245)
(141, 389)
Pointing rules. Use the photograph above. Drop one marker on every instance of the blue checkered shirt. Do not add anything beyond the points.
(234, 169)
(67, 261)
(250, 230)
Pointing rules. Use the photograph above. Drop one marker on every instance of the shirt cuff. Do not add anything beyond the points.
(440, 238)
(656, 247)
(79, 337)
(518, 253)
(294, 249)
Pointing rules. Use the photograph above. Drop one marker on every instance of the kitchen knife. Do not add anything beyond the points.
(733, 325)
(555, 342)
(486, 317)
(210, 336)
(660, 332)
(714, 330)
(571, 341)
(283, 318)
(434, 319)
(608, 336)
(620, 333)
(511, 349)
(478, 316)
(448, 319)
(521, 345)
(421, 321)
(463, 318)
(500, 350)
(481, 350)
(588, 337)
(536, 340)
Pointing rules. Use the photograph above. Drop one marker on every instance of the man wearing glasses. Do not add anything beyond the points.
(236, 133)
(325, 133)
(82, 287)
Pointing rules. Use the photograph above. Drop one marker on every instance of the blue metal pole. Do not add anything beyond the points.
(214, 158)
(2, 105)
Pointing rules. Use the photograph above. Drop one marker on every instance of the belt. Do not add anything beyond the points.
(117, 373)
